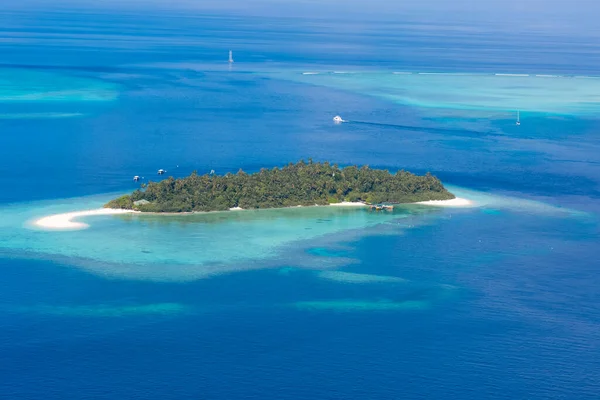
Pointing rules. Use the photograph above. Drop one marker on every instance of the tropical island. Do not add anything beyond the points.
(300, 184)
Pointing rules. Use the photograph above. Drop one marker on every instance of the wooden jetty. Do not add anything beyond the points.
(381, 207)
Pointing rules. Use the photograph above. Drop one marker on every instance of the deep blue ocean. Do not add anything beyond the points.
(495, 302)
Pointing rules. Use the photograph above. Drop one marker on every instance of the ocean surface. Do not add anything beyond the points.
(495, 301)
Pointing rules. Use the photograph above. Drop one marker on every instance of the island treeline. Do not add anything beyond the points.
(303, 183)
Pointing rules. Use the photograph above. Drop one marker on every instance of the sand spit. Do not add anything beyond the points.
(65, 221)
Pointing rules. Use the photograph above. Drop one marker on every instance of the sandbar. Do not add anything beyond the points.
(455, 202)
(65, 221)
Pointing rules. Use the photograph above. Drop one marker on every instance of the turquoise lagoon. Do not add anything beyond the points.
(195, 246)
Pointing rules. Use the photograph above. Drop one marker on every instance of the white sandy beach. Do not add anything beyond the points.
(455, 202)
(65, 221)
(348, 204)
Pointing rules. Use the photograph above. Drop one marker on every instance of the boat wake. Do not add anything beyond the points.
(413, 128)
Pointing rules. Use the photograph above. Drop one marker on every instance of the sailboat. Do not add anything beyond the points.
(518, 118)
(230, 56)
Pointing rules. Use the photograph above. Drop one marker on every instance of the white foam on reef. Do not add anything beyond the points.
(65, 221)
(235, 209)
(455, 202)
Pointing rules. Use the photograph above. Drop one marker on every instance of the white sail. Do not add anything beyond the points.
(230, 56)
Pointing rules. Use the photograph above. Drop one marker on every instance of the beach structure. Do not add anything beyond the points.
(161, 171)
(381, 207)
(136, 178)
(230, 56)
(518, 118)
(337, 119)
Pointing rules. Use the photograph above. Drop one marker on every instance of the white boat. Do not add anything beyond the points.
(337, 119)
(230, 56)
(161, 171)
(136, 178)
(518, 118)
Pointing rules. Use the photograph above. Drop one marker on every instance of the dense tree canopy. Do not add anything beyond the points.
(295, 184)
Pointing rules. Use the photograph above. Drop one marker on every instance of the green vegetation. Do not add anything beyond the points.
(302, 183)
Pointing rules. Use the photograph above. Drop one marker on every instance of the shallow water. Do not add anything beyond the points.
(493, 301)
(498, 94)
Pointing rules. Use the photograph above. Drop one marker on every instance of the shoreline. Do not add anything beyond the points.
(348, 204)
(64, 221)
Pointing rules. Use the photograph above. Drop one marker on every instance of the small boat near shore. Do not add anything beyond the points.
(161, 171)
